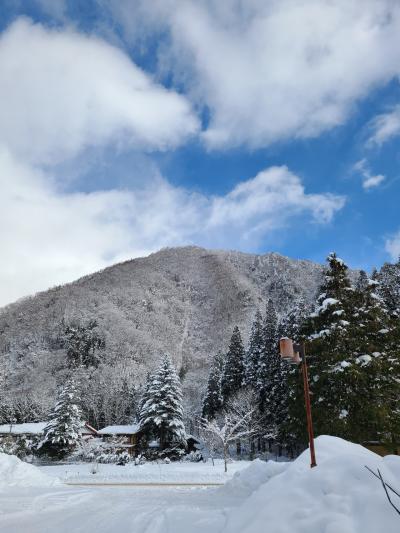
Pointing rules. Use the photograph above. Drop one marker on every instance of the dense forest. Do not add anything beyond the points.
(352, 336)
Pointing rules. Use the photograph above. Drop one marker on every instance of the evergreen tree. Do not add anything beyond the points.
(389, 286)
(144, 394)
(353, 362)
(329, 321)
(255, 351)
(233, 374)
(269, 357)
(63, 432)
(389, 289)
(371, 379)
(362, 282)
(370, 316)
(271, 378)
(212, 402)
(326, 332)
(291, 324)
(161, 412)
(82, 343)
(7, 412)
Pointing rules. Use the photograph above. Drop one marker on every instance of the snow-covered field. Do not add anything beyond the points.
(339, 496)
(185, 472)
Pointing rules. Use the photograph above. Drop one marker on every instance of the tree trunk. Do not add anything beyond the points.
(226, 457)
(162, 438)
(252, 449)
(238, 447)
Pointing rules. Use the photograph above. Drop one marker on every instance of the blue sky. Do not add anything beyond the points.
(258, 126)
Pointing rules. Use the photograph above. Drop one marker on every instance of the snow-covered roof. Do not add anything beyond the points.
(128, 429)
(31, 428)
(36, 428)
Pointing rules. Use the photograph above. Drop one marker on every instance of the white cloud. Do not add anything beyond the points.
(369, 180)
(385, 127)
(373, 181)
(51, 237)
(270, 70)
(61, 91)
(269, 200)
(392, 246)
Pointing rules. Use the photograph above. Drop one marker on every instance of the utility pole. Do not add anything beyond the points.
(296, 354)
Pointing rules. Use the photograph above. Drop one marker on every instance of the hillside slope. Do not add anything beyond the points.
(185, 301)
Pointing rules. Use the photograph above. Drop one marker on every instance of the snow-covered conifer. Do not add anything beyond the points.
(82, 342)
(233, 374)
(291, 324)
(271, 376)
(63, 432)
(372, 377)
(269, 361)
(161, 414)
(330, 317)
(255, 351)
(213, 401)
(389, 286)
(327, 331)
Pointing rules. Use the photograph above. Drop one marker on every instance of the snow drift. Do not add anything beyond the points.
(245, 482)
(338, 496)
(14, 472)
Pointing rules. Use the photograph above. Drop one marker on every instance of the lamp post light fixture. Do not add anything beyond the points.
(295, 354)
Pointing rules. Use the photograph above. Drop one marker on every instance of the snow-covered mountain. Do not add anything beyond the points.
(184, 301)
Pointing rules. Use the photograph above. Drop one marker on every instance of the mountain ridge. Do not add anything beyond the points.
(184, 301)
(160, 251)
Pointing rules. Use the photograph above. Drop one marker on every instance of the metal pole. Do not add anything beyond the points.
(308, 404)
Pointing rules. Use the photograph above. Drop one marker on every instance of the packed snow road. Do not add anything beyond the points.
(37, 500)
(86, 510)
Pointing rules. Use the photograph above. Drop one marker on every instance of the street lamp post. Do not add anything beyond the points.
(295, 354)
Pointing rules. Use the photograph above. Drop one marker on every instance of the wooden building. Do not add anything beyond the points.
(122, 437)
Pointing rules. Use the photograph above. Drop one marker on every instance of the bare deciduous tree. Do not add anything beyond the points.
(239, 420)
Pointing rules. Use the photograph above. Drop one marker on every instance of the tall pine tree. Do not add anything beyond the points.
(389, 286)
(233, 374)
(291, 324)
(64, 430)
(271, 378)
(371, 378)
(161, 414)
(326, 332)
(255, 351)
(267, 365)
(213, 401)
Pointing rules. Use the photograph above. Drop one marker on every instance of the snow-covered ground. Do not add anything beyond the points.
(185, 472)
(338, 496)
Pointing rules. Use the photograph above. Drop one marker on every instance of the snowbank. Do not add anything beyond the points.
(338, 496)
(248, 480)
(14, 472)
